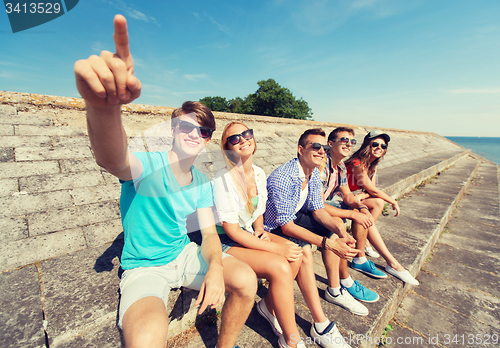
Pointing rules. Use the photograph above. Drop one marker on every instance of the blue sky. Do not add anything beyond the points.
(416, 65)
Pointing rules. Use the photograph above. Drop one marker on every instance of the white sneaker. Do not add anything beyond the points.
(330, 338)
(403, 275)
(371, 252)
(262, 309)
(282, 343)
(345, 300)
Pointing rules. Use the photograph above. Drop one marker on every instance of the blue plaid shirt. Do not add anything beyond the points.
(283, 193)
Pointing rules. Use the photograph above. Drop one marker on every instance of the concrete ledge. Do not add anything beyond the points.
(402, 290)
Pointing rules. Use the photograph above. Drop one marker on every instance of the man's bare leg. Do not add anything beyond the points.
(145, 323)
(241, 287)
(306, 280)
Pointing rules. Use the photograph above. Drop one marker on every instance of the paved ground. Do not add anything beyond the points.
(458, 302)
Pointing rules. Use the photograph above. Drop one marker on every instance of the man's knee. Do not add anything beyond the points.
(145, 324)
(239, 278)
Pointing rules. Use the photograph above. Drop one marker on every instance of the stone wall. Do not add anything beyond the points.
(55, 200)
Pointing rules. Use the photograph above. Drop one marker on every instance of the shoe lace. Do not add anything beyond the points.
(359, 287)
(346, 295)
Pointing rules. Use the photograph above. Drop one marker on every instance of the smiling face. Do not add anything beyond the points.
(188, 144)
(242, 149)
(377, 152)
(309, 157)
(339, 150)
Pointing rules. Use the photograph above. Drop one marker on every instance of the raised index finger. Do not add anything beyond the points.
(121, 39)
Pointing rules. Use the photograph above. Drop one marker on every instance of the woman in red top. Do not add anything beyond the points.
(361, 174)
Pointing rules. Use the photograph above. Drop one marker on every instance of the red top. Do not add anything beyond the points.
(351, 181)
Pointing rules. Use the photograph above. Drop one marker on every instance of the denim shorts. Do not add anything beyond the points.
(226, 242)
(338, 204)
(307, 221)
(188, 270)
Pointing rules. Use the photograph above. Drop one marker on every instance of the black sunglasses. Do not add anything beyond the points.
(345, 141)
(318, 146)
(187, 127)
(236, 138)
(383, 146)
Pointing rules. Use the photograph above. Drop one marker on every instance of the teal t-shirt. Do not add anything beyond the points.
(154, 209)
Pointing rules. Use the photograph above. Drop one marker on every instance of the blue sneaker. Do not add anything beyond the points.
(368, 268)
(361, 293)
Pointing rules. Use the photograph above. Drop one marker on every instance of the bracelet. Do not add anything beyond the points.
(363, 207)
(323, 243)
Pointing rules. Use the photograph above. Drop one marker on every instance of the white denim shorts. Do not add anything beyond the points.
(188, 270)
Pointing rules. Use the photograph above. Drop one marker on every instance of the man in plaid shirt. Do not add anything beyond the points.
(295, 210)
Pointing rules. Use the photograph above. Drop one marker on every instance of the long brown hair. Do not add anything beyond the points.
(363, 155)
(236, 173)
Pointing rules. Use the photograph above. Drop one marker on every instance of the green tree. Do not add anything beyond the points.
(273, 100)
(269, 100)
(216, 103)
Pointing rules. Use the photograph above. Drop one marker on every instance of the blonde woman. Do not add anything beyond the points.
(240, 196)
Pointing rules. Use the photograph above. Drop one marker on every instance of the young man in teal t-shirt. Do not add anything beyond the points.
(159, 191)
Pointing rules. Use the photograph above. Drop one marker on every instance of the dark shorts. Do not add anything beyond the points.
(307, 221)
(339, 204)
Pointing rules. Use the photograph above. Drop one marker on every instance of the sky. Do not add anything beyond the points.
(415, 65)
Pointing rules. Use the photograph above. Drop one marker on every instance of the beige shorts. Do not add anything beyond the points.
(188, 270)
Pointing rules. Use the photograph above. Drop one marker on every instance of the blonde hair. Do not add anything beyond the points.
(237, 174)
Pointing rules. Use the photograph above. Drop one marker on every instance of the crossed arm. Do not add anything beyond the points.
(369, 185)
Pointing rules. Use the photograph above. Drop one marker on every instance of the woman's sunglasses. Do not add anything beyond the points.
(318, 146)
(375, 144)
(187, 127)
(236, 138)
(345, 141)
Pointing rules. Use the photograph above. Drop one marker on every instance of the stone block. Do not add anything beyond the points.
(13, 228)
(6, 129)
(19, 169)
(6, 154)
(79, 165)
(20, 204)
(86, 195)
(65, 181)
(70, 141)
(103, 232)
(44, 153)
(81, 297)
(25, 141)
(7, 111)
(22, 311)
(26, 119)
(82, 215)
(33, 249)
(110, 179)
(8, 186)
(48, 130)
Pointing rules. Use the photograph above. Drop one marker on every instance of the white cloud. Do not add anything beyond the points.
(132, 12)
(195, 77)
(475, 91)
(98, 47)
(219, 26)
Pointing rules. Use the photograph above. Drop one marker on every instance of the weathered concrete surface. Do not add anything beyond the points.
(21, 311)
(458, 301)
